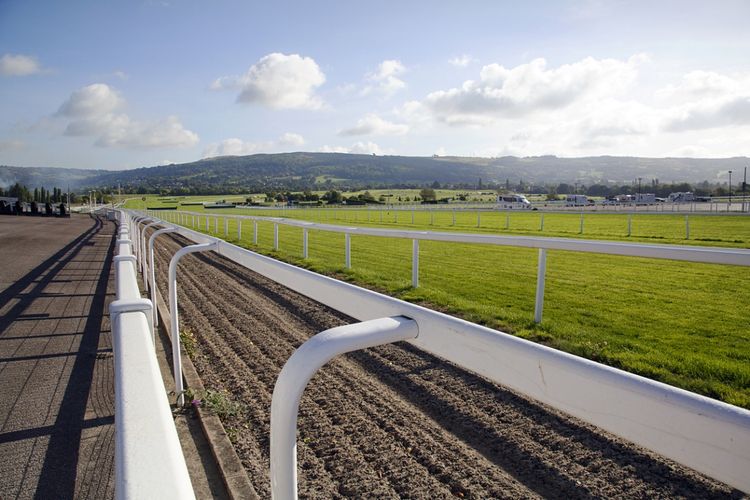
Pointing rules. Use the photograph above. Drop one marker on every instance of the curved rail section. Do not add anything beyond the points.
(148, 456)
(174, 313)
(707, 435)
(298, 371)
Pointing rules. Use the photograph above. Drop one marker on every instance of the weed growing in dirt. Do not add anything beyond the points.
(222, 404)
(188, 341)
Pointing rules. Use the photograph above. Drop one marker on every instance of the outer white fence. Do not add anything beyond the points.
(148, 456)
(711, 255)
(707, 435)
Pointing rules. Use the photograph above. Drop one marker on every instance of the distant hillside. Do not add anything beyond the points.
(320, 170)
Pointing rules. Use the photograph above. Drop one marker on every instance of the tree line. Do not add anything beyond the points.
(39, 195)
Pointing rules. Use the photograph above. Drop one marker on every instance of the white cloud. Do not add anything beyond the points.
(237, 147)
(279, 81)
(291, 139)
(712, 113)
(703, 84)
(97, 111)
(705, 99)
(356, 148)
(372, 124)
(385, 80)
(503, 93)
(11, 145)
(461, 61)
(95, 100)
(18, 65)
(365, 148)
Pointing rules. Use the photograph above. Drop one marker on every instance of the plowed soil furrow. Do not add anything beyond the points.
(394, 421)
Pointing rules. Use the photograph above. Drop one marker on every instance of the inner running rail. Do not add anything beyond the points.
(148, 457)
(709, 436)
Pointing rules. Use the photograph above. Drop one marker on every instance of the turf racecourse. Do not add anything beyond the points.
(682, 323)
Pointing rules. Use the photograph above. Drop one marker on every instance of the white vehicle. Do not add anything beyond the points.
(681, 197)
(645, 199)
(513, 201)
(576, 200)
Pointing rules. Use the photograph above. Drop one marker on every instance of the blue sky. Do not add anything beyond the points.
(106, 84)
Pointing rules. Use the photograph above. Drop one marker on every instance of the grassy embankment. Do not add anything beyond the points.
(682, 323)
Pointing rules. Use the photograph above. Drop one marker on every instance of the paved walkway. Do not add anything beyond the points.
(56, 370)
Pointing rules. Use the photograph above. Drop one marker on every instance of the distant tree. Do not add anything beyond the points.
(435, 185)
(332, 197)
(428, 194)
(598, 190)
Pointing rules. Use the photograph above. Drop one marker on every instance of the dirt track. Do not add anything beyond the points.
(394, 421)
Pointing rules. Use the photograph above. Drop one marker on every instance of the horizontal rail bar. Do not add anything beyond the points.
(148, 456)
(709, 436)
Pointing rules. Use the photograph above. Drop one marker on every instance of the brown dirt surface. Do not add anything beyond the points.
(394, 421)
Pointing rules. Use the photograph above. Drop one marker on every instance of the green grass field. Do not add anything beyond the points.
(682, 323)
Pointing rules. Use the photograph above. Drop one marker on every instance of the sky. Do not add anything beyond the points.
(125, 84)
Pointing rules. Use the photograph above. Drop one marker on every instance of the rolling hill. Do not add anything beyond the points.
(320, 170)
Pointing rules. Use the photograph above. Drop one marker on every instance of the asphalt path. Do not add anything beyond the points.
(56, 369)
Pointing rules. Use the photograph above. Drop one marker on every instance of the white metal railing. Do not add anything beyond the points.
(707, 435)
(711, 255)
(298, 371)
(148, 457)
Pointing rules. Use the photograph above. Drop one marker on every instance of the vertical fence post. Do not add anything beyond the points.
(226, 227)
(507, 220)
(348, 250)
(193, 216)
(687, 227)
(580, 231)
(541, 223)
(275, 236)
(239, 229)
(540, 274)
(304, 243)
(412, 216)
(414, 263)
(255, 232)
(454, 217)
(432, 217)
(630, 224)
(207, 226)
(216, 225)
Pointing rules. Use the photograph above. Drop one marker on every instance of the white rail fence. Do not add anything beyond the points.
(707, 435)
(711, 255)
(148, 457)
